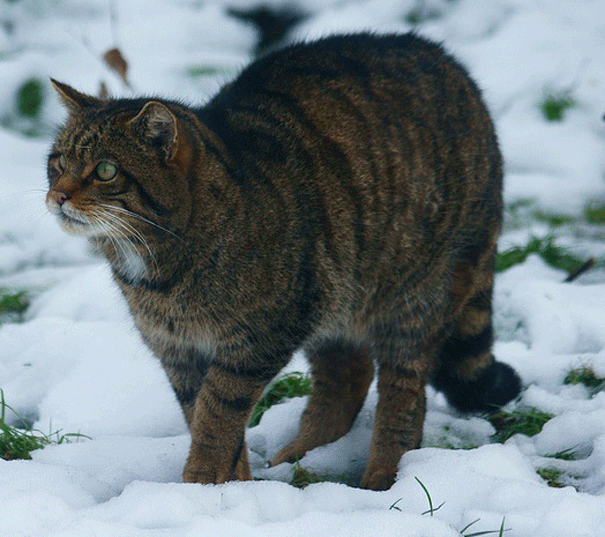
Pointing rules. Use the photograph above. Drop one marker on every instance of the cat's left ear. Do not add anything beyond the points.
(158, 124)
(73, 99)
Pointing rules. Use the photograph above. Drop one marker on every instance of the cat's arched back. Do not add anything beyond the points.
(342, 196)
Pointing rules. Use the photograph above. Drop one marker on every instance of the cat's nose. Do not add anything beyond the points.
(59, 197)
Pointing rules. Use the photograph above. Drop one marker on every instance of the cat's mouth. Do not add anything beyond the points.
(75, 224)
(72, 220)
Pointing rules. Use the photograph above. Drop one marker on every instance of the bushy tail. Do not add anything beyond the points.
(467, 373)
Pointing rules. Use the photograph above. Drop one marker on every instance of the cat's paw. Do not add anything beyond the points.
(378, 479)
(290, 453)
(216, 476)
(208, 470)
(242, 468)
(197, 475)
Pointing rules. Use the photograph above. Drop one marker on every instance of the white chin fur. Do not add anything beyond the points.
(130, 263)
(74, 222)
(127, 262)
(76, 227)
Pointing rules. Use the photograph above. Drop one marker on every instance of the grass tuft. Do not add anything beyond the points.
(13, 305)
(555, 256)
(19, 442)
(565, 455)
(303, 478)
(414, 17)
(555, 103)
(421, 13)
(552, 476)
(16, 443)
(431, 510)
(507, 424)
(29, 98)
(584, 375)
(595, 215)
(499, 532)
(291, 385)
(552, 219)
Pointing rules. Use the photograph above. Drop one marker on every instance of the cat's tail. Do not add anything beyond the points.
(467, 372)
(495, 385)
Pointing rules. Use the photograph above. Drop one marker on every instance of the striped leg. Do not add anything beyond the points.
(222, 410)
(342, 374)
(186, 370)
(397, 425)
(405, 351)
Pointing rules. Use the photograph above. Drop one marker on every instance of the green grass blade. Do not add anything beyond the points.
(431, 510)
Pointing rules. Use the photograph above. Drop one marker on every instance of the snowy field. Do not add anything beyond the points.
(74, 362)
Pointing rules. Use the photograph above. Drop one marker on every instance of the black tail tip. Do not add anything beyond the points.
(497, 385)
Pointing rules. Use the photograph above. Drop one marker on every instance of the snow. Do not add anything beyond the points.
(76, 364)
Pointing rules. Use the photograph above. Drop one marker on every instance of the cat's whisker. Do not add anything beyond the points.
(31, 204)
(119, 229)
(33, 215)
(141, 218)
(122, 245)
(32, 192)
(129, 228)
(138, 235)
(101, 223)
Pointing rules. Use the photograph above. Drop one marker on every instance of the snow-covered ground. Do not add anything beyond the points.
(76, 363)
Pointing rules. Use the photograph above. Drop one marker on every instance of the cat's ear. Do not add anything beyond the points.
(73, 99)
(158, 124)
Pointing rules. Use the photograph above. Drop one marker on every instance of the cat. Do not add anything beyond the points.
(342, 196)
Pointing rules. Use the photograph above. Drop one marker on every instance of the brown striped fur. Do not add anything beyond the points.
(343, 197)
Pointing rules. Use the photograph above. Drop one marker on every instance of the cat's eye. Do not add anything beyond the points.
(106, 171)
(62, 162)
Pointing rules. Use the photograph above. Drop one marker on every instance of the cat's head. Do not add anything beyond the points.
(118, 168)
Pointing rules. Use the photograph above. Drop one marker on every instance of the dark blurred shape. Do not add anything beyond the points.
(272, 24)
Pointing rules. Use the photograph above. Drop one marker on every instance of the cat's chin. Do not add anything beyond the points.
(74, 226)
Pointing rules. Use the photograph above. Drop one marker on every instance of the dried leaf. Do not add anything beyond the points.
(114, 59)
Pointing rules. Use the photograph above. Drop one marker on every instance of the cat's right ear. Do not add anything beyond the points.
(157, 123)
(73, 99)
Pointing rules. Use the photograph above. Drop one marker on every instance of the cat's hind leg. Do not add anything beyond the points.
(341, 376)
(398, 421)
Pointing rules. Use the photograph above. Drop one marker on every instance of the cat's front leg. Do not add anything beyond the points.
(222, 409)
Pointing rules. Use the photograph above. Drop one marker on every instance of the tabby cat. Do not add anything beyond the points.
(343, 197)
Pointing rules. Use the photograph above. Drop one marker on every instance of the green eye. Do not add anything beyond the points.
(106, 171)
(62, 162)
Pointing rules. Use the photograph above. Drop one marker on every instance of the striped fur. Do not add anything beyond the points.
(343, 197)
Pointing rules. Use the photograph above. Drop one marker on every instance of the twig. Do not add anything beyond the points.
(580, 270)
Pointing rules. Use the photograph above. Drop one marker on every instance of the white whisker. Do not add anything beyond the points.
(32, 192)
(125, 252)
(31, 205)
(118, 231)
(128, 228)
(139, 217)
